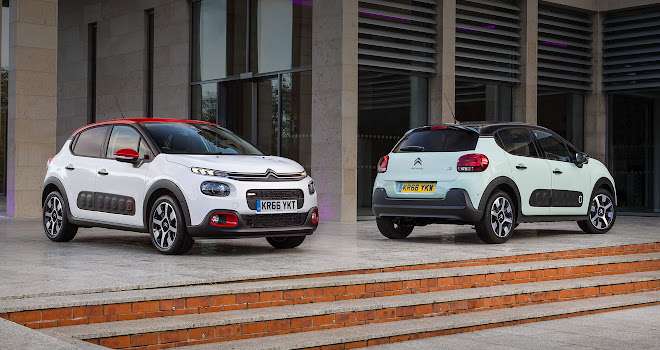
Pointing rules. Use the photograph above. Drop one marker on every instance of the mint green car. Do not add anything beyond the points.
(492, 176)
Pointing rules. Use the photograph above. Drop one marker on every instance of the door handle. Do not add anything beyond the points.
(557, 171)
(521, 166)
(103, 172)
(69, 167)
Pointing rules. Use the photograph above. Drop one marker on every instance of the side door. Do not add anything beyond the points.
(120, 185)
(80, 174)
(530, 172)
(570, 184)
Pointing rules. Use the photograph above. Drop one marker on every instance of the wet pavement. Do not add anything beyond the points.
(103, 259)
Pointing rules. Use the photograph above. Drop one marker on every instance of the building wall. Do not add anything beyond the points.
(121, 60)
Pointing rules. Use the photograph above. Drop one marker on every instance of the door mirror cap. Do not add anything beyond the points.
(126, 155)
(581, 159)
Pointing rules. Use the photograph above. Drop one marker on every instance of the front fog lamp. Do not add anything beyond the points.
(217, 189)
(311, 187)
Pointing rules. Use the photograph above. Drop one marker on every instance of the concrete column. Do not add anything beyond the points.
(334, 107)
(525, 99)
(596, 101)
(32, 102)
(443, 83)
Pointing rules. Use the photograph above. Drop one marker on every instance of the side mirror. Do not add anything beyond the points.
(581, 159)
(126, 155)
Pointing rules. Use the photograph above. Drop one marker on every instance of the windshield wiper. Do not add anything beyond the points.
(412, 149)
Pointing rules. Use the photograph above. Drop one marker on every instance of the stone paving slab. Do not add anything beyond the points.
(637, 328)
(160, 324)
(51, 302)
(102, 260)
(431, 324)
(14, 336)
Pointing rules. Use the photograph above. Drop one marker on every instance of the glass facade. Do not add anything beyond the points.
(563, 113)
(634, 150)
(251, 71)
(477, 101)
(389, 105)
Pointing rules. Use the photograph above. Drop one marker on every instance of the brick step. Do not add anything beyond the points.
(231, 325)
(496, 258)
(53, 311)
(393, 332)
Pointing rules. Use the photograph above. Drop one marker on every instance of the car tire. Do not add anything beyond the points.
(285, 242)
(392, 229)
(167, 227)
(497, 224)
(56, 222)
(602, 213)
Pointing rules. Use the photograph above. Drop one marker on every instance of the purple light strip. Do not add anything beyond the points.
(555, 44)
(490, 26)
(299, 2)
(383, 16)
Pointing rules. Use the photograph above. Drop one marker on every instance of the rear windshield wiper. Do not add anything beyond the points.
(412, 149)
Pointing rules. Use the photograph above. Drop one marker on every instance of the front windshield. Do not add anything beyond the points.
(193, 138)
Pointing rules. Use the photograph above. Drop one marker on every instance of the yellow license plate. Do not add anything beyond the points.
(415, 187)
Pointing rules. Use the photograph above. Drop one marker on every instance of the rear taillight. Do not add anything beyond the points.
(49, 160)
(382, 164)
(472, 163)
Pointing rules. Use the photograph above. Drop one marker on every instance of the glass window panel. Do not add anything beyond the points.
(205, 102)
(235, 109)
(267, 107)
(296, 121)
(483, 102)
(553, 147)
(122, 137)
(219, 38)
(563, 113)
(281, 35)
(389, 104)
(90, 142)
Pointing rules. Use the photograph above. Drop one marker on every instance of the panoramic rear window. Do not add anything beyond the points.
(439, 140)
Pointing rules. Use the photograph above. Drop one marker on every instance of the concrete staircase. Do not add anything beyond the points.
(349, 309)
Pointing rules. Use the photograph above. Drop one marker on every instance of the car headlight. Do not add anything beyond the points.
(217, 189)
(209, 172)
(311, 187)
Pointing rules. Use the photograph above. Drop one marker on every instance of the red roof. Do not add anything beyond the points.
(142, 120)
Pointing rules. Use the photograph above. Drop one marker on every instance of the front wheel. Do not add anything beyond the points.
(498, 221)
(602, 213)
(285, 242)
(393, 228)
(167, 227)
(56, 223)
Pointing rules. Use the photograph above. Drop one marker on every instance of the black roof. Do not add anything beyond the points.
(489, 128)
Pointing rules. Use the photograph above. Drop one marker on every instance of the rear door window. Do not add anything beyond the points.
(517, 141)
(90, 142)
(438, 140)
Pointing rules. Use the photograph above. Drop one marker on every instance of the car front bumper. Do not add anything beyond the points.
(248, 227)
(455, 206)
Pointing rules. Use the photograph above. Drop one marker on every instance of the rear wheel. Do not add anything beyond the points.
(498, 221)
(285, 242)
(394, 228)
(602, 213)
(56, 222)
(167, 227)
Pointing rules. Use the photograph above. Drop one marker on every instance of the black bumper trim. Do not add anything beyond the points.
(206, 230)
(455, 206)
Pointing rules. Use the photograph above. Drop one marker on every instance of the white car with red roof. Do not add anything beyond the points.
(176, 180)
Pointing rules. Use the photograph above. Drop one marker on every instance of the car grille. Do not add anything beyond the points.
(274, 220)
(254, 195)
(268, 176)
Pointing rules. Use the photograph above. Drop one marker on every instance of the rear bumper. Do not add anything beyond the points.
(242, 230)
(455, 206)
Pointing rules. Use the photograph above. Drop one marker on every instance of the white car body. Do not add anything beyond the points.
(542, 188)
(141, 182)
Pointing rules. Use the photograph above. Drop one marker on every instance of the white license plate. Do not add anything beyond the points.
(277, 206)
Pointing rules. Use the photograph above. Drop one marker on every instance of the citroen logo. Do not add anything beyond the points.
(418, 161)
(270, 172)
